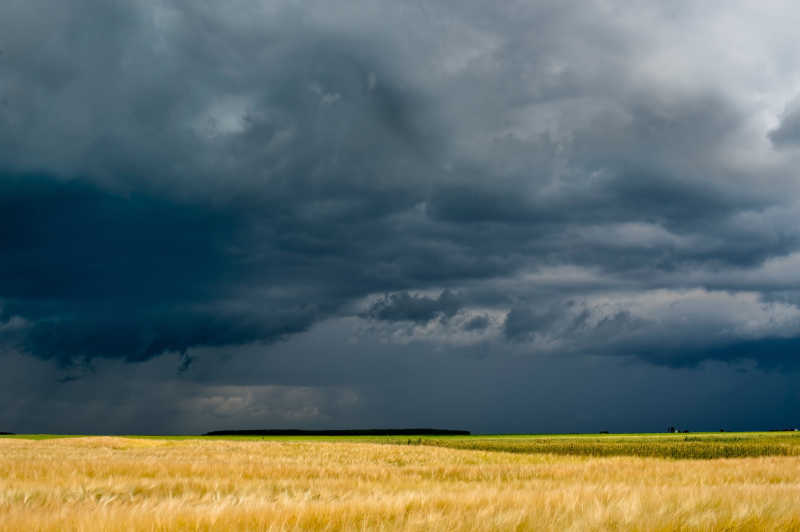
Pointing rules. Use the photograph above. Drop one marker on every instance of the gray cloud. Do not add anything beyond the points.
(477, 323)
(550, 179)
(674, 328)
(407, 307)
(788, 131)
(402, 384)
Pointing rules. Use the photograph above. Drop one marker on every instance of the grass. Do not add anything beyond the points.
(149, 483)
(700, 445)
(678, 446)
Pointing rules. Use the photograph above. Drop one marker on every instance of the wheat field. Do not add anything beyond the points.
(112, 483)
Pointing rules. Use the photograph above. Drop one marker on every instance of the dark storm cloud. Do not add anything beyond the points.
(478, 323)
(420, 309)
(401, 384)
(676, 329)
(521, 323)
(99, 274)
(177, 175)
(197, 192)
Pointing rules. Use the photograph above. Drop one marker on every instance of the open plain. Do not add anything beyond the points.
(126, 483)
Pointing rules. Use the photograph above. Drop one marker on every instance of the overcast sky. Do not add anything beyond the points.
(530, 216)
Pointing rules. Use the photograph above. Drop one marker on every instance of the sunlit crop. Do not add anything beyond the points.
(102, 483)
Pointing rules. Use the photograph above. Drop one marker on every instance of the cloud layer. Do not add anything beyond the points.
(549, 179)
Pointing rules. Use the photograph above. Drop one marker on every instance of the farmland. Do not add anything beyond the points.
(682, 446)
(713, 481)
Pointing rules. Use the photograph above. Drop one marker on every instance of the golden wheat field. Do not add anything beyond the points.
(112, 483)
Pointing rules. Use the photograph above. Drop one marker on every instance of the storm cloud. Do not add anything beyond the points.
(566, 183)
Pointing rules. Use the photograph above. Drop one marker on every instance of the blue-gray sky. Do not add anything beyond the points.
(530, 216)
